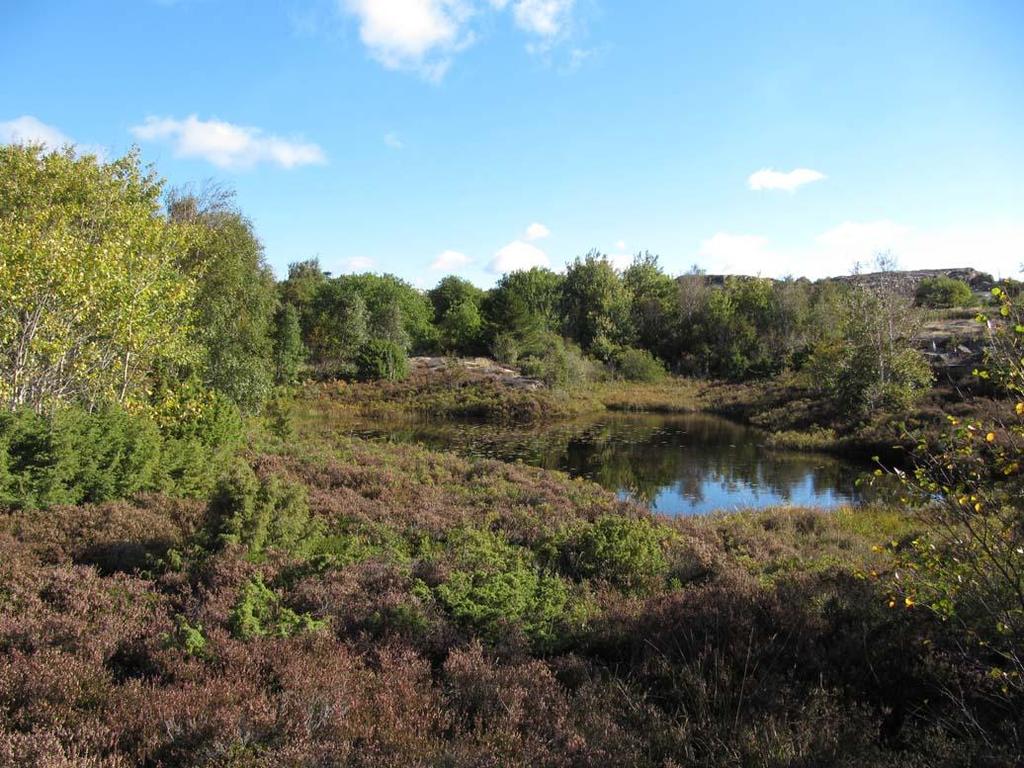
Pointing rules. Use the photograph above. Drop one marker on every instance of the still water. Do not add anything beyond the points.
(677, 465)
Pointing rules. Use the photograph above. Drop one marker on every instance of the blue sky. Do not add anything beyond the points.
(421, 137)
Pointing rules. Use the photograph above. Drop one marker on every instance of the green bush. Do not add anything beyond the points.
(943, 293)
(260, 515)
(638, 365)
(381, 359)
(561, 366)
(495, 583)
(623, 551)
(259, 613)
(75, 456)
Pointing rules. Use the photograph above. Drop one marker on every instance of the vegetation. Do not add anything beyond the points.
(197, 568)
(943, 293)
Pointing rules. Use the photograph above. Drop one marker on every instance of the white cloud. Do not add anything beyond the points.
(996, 248)
(424, 36)
(734, 254)
(393, 140)
(768, 178)
(30, 130)
(518, 255)
(227, 145)
(421, 35)
(358, 264)
(537, 231)
(546, 18)
(449, 260)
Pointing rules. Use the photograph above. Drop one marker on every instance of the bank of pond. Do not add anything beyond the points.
(678, 464)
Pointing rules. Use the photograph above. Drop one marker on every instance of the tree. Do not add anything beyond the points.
(653, 304)
(235, 299)
(460, 328)
(450, 292)
(289, 351)
(523, 310)
(338, 326)
(91, 293)
(596, 305)
(395, 310)
(872, 363)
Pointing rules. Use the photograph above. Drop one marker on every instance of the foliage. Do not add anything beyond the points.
(289, 351)
(91, 295)
(872, 365)
(626, 552)
(638, 365)
(653, 304)
(74, 456)
(496, 584)
(260, 514)
(395, 310)
(235, 297)
(968, 566)
(943, 292)
(595, 304)
(562, 365)
(259, 613)
(524, 306)
(379, 359)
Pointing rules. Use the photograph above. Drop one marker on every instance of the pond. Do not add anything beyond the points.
(677, 465)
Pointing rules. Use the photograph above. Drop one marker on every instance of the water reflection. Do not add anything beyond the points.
(678, 465)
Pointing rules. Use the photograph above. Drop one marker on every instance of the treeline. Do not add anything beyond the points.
(120, 297)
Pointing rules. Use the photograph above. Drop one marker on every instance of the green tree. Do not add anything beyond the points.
(395, 310)
(461, 328)
(450, 292)
(596, 305)
(338, 326)
(289, 351)
(236, 296)
(654, 306)
(91, 294)
(523, 310)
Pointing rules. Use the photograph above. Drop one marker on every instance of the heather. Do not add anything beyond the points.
(341, 602)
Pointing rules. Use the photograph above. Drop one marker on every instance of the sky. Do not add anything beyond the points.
(428, 137)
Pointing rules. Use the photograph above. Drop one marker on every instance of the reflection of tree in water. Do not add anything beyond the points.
(646, 454)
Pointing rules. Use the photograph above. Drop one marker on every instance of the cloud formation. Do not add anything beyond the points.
(420, 35)
(995, 248)
(537, 231)
(449, 260)
(768, 178)
(393, 140)
(30, 130)
(423, 36)
(546, 18)
(227, 145)
(516, 256)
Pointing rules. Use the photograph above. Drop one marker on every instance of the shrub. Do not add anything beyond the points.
(624, 551)
(561, 366)
(380, 359)
(496, 583)
(75, 456)
(506, 348)
(260, 515)
(943, 293)
(638, 365)
(259, 613)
